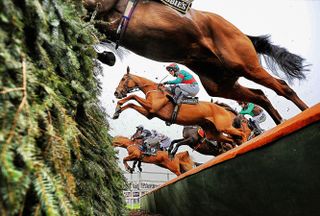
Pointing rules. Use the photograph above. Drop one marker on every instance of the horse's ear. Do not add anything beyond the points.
(128, 70)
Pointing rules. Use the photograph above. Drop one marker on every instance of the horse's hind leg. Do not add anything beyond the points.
(139, 166)
(240, 93)
(262, 77)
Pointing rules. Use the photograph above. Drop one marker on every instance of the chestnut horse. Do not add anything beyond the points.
(181, 163)
(199, 142)
(214, 119)
(206, 43)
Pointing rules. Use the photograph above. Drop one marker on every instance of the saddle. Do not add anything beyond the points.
(190, 100)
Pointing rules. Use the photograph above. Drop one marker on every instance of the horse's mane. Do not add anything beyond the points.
(116, 138)
(162, 88)
(227, 107)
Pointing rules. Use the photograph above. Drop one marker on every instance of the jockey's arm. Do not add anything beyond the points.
(176, 81)
(179, 79)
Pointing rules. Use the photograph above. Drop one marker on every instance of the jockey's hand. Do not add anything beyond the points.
(160, 85)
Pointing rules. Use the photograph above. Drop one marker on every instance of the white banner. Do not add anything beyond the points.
(179, 5)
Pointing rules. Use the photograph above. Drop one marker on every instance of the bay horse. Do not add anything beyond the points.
(181, 163)
(197, 140)
(194, 140)
(206, 43)
(214, 119)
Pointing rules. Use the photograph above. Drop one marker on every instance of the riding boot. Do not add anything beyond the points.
(178, 98)
(257, 129)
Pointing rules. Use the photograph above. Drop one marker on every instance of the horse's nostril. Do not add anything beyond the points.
(116, 94)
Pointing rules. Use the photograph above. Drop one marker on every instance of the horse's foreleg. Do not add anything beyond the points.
(235, 133)
(139, 166)
(134, 164)
(126, 99)
(143, 102)
(183, 142)
(172, 144)
(139, 109)
(125, 162)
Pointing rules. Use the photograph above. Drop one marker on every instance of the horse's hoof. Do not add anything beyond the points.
(118, 107)
(115, 115)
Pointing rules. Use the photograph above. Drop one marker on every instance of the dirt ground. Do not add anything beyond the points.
(141, 213)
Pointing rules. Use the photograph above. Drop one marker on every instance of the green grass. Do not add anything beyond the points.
(134, 206)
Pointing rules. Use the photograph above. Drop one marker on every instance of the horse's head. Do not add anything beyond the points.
(126, 85)
(121, 141)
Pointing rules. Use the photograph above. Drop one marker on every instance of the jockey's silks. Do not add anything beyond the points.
(183, 77)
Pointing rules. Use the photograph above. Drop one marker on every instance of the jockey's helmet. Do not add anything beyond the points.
(140, 127)
(172, 67)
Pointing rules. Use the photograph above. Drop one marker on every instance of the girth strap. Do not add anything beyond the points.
(122, 27)
(174, 115)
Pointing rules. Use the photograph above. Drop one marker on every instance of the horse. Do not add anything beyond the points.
(214, 119)
(181, 163)
(195, 138)
(207, 44)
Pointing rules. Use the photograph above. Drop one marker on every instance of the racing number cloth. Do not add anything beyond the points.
(179, 5)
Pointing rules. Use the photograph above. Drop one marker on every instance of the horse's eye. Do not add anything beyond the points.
(122, 79)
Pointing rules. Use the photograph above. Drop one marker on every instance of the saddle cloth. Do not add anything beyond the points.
(190, 100)
(179, 5)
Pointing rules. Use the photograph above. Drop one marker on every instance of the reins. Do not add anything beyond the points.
(138, 87)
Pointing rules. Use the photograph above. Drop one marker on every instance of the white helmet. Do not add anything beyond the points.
(141, 127)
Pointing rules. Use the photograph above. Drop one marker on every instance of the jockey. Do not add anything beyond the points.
(164, 140)
(184, 84)
(255, 111)
(141, 133)
(146, 136)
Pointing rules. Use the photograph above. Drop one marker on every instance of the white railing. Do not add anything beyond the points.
(142, 182)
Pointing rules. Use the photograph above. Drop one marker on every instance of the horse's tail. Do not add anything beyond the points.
(185, 161)
(291, 64)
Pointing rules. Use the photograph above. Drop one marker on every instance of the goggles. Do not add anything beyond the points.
(170, 69)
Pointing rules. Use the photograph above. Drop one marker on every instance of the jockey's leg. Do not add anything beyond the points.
(178, 95)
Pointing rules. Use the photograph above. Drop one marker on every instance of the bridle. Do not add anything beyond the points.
(131, 89)
(135, 88)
